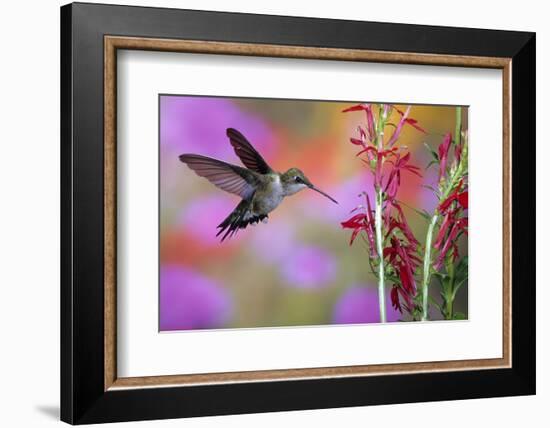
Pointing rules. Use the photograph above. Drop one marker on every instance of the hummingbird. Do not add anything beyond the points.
(260, 187)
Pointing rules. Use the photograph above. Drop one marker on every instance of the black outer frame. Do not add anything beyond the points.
(83, 399)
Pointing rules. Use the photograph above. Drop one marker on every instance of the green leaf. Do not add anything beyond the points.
(461, 275)
(439, 275)
(457, 287)
(434, 302)
(432, 152)
(430, 187)
(422, 213)
(392, 278)
(432, 162)
(461, 270)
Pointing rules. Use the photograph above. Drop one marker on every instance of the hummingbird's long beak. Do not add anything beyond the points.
(312, 187)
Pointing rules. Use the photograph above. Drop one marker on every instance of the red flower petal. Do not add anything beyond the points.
(404, 225)
(354, 235)
(451, 198)
(395, 299)
(411, 121)
(443, 150)
(367, 149)
(463, 199)
(370, 122)
(458, 153)
(355, 221)
(399, 127)
(356, 107)
(370, 228)
(370, 118)
(448, 244)
(447, 220)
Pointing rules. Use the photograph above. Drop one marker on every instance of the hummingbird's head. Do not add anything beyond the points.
(295, 180)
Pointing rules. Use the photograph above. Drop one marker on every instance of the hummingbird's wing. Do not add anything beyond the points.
(231, 178)
(248, 154)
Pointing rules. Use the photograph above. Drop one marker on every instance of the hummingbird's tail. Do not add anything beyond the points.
(239, 218)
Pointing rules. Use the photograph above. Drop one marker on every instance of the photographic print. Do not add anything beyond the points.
(286, 231)
(280, 212)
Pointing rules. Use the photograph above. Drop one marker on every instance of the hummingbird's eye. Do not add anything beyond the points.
(297, 179)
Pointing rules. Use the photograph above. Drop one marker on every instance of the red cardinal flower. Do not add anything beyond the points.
(397, 294)
(357, 142)
(454, 222)
(362, 222)
(443, 150)
(386, 163)
(456, 195)
(399, 127)
(411, 121)
(458, 152)
(357, 223)
(450, 243)
(394, 178)
(394, 295)
(443, 229)
(400, 223)
(462, 199)
(370, 117)
(356, 107)
(402, 256)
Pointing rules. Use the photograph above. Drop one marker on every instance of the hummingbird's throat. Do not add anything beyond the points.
(292, 188)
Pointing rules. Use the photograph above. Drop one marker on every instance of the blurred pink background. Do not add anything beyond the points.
(299, 268)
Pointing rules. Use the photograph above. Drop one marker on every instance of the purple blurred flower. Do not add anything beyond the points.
(359, 304)
(427, 199)
(277, 237)
(308, 267)
(201, 216)
(189, 300)
(197, 125)
(348, 194)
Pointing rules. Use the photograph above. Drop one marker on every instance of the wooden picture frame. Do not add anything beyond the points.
(91, 390)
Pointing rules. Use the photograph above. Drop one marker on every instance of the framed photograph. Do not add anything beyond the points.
(265, 213)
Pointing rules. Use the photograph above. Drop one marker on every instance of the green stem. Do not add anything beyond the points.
(378, 220)
(427, 267)
(426, 274)
(458, 125)
(380, 250)
(449, 300)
